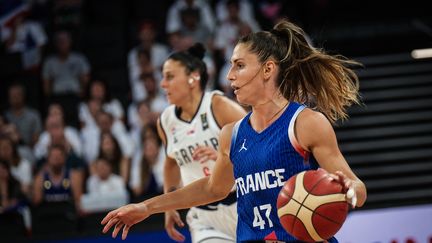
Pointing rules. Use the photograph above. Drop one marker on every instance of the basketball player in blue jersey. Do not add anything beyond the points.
(295, 92)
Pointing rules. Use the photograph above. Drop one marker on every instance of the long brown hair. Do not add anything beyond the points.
(307, 75)
(115, 159)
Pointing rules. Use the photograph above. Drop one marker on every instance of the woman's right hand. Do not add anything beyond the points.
(204, 153)
(124, 217)
(172, 218)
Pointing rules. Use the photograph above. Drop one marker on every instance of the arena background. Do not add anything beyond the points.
(387, 141)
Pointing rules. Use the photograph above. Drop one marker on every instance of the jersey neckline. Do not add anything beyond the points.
(249, 125)
(177, 111)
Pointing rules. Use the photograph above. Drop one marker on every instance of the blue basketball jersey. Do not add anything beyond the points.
(61, 192)
(262, 163)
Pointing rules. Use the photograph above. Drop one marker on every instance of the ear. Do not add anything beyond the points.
(269, 69)
(196, 76)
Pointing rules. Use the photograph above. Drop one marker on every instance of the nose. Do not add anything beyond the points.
(163, 83)
(230, 76)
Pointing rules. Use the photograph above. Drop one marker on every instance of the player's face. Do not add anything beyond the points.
(174, 82)
(245, 75)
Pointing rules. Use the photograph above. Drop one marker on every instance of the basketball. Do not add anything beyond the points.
(311, 206)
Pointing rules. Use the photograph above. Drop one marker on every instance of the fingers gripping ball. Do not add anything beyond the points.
(311, 206)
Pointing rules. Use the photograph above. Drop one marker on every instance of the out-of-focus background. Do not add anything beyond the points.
(79, 93)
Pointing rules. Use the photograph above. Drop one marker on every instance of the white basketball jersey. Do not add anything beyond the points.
(183, 137)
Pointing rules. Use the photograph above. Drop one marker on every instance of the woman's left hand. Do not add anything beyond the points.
(348, 185)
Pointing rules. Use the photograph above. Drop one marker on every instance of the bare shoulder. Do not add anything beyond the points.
(221, 101)
(227, 130)
(309, 118)
(160, 131)
(225, 138)
(226, 110)
(218, 99)
(312, 126)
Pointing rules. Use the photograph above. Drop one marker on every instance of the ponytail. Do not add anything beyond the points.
(307, 75)
(323, 82)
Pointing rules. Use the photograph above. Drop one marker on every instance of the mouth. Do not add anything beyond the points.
(234, 88)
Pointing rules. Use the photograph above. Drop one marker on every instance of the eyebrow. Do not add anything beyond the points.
(236, 60)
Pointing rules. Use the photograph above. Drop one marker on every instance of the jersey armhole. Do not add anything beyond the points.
(292, 137)
(213, 94)
(165, 134)
(234, 136)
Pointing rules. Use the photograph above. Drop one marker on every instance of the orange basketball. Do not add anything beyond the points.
(311, 206)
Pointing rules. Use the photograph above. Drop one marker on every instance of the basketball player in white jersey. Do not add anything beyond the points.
(189, 129)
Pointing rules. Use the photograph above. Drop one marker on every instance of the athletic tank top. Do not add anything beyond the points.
(61, 192)
(183, 137)
(262, 163)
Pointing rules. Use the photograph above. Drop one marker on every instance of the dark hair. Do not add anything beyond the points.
(115, 161)
(190, 12)
(145, 52)
(192, 61)
(19, 85)
(306, 75)
(58, 147)
(150, 131)
(107, 96)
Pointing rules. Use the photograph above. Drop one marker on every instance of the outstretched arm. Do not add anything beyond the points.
(203, 191)
(172, 181)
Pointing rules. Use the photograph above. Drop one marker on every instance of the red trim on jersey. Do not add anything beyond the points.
(294, 142)
(271, 236)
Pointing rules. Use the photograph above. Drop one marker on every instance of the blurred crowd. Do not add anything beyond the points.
(64, 137)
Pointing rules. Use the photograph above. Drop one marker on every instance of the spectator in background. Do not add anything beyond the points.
(20, 35)
(227, 34)
(20, 168)
(193, 27)
(26, 119)
(10, 131)
(66, 72)
(105, 189)
(245, 10)
(155, 101)
(89, 116)
(91, 136)
(147, 165)
(178, 42)
(56, 109)
(228, 31)
(55, 182)
(148, 54)
(97, 91)
(206, 16)
(13, 200)
(10, 189)
(140, 116)
(109, 150)
(56, 133)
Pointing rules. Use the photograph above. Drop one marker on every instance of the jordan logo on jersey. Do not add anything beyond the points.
(243, 147)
